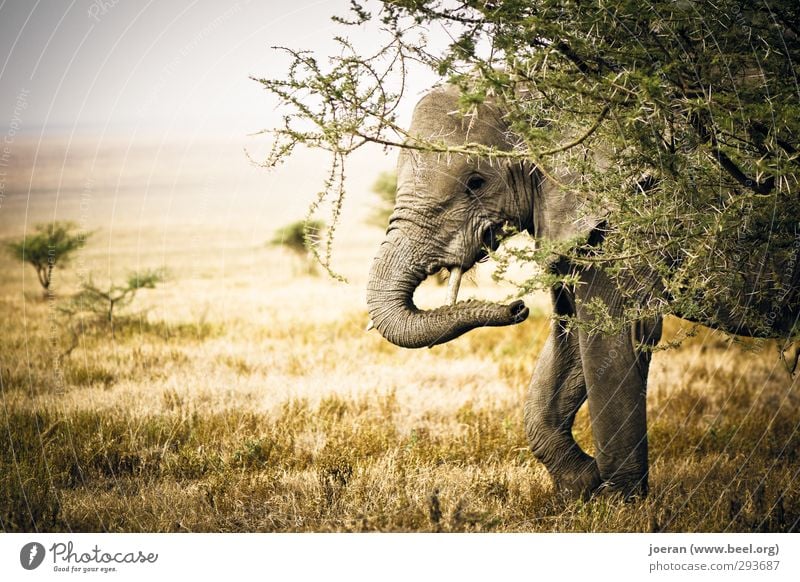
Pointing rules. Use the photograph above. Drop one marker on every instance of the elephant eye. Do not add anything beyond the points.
(475, 183)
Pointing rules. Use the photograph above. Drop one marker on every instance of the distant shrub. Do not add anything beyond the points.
(385, 187)
(300, 237)
(103, 301)
(50, 245)
(99, 306)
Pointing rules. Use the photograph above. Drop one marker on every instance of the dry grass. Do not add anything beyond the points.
(232, 425)
(243, 398)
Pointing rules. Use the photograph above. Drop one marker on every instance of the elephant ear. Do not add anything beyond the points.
(560, 215)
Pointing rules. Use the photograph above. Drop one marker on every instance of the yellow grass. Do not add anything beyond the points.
(243, 395)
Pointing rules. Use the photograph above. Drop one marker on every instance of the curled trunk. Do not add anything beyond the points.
(394, 277)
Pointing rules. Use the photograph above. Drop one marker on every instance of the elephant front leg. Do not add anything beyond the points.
(615, 369)
(616, 392)
(556, 392)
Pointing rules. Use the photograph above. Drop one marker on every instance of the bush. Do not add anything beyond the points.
(298, 236)
(690, 145)
(301, 238)
(51, 245)
(99, 305)
(385, 187)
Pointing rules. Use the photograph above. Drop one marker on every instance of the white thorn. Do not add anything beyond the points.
(453, 284)
(370, 326)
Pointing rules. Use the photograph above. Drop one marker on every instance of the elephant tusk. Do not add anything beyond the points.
(370, 326)
(453, 284)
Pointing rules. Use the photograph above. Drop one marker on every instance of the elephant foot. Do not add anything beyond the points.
(628, 491)
(580, 483)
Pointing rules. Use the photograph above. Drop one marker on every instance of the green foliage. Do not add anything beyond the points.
(50, 245)
(385, 187)
(299, 237)
(679, 119)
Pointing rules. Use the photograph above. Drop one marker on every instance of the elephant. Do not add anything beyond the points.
(449, 212)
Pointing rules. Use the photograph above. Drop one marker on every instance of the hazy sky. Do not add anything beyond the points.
(172, 65)
(148, 105)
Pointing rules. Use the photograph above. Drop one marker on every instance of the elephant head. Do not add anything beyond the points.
(450, 211)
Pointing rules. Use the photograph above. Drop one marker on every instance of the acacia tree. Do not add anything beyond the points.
(680, 117)
(49, 246)
(103, 301)
(96, 306)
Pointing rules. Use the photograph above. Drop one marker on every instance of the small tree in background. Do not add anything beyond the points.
(97, 309)
(300, 237)
(385, 187)
(102, 302)
(50, 245)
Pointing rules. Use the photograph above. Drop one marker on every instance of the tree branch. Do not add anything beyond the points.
(730, 166)
(582, 138)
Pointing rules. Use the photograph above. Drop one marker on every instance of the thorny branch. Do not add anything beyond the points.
(695, 96)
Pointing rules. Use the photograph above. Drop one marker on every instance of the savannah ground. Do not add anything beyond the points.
(244, 395)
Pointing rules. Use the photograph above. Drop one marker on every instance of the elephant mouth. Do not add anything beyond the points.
(491, 237)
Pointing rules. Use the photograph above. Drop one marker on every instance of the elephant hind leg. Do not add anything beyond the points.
(556, 392)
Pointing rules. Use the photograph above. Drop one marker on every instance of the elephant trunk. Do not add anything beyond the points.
(390, 299)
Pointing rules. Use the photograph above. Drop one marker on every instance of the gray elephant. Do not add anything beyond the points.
(447, 213)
